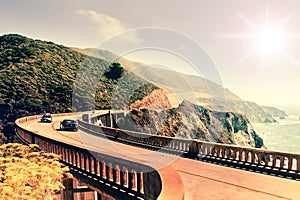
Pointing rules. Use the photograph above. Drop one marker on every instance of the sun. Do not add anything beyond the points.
(270, 39)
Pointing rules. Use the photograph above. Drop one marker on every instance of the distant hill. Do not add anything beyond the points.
(206, 93)
(107, 55)
(198, 90)
(179, 87)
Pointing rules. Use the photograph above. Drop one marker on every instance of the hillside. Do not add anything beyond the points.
(179, 87)
(201, 91)
(39, 76)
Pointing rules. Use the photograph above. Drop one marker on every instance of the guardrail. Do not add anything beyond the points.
(280, 163)
(124, 179)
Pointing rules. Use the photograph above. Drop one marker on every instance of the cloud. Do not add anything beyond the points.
(104, 25)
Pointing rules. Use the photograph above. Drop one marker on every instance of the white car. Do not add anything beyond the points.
(46, 118)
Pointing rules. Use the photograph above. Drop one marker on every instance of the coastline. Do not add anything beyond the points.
(281, 136)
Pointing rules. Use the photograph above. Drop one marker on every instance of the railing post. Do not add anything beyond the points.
(252, 157)
(91, 164)
(102, 164)
(151, 186)
(84, 161)
(125, 177)
(67, 155)
(107, 170)
(130, 180)
(62, 151)
(81, 158)
(114, 175)
(122, 183)
(193, 152)
(290, 163)
(104, 170)
(281, 162)
(32, 138)
(140, 184)
(274, 160)
(76, 158)
(240, 154)
(96, 167)
(68, 191)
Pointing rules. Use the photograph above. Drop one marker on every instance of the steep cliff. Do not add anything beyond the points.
(194, 122)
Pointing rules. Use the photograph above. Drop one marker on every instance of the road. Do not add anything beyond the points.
(200, 180)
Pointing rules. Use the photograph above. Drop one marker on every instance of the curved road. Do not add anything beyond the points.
(200, 180)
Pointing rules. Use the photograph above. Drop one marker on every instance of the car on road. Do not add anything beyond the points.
(47, 117)
(69, 124)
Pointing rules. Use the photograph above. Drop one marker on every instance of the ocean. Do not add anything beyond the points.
(281, 136)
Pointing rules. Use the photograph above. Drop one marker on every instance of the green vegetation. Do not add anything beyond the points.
(27, 173)
(38, 76)
(35, 76)
(258, 140)
(115, 71)
(142, 91)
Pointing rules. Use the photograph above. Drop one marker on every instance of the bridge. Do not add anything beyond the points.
(122, 164)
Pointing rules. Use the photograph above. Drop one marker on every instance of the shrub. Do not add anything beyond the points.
(27, 173)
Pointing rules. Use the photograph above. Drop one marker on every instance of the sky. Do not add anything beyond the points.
(254, 45)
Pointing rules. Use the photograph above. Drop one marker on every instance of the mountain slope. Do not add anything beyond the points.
(38, 76)
(201, 91)
(109, 56)
(35, 76)
(179, 87)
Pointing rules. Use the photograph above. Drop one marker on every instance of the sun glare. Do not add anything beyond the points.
(269, 40)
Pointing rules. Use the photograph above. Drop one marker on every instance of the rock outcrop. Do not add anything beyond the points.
(157, 99)
(191, 121)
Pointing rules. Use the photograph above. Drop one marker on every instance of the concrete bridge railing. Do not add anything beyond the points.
(279, 162)
(136, 180)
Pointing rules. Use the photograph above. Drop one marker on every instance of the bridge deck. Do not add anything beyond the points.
(201, 180)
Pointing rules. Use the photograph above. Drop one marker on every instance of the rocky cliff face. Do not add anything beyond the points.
(193, 122)
(157, 99)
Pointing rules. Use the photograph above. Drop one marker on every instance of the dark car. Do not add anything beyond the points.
(46, 118)
(69, 124)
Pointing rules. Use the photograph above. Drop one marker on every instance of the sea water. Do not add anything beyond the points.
(281, 136)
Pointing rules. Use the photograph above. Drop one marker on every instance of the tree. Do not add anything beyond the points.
(115, 71)
(28, 173)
